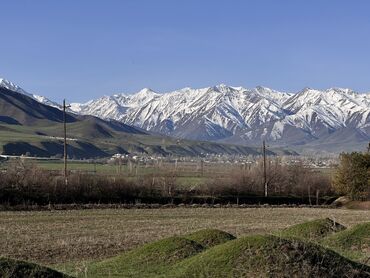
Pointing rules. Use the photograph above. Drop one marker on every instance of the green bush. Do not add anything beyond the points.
(353, 175)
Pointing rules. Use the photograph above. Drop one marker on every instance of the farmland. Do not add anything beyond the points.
(71, 237)
(188, 171)
(138, 207)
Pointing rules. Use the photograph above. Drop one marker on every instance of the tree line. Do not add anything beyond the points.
(25, 183)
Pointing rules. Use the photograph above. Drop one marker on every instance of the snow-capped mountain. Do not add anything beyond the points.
(333, 118)
(240, 115)
(15, 88)
(210, 113)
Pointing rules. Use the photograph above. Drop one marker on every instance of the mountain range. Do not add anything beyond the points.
(333, 120)
(28, 126)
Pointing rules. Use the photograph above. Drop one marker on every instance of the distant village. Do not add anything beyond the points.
(329, 161)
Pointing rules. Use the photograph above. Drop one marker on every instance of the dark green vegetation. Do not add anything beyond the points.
(210, 237)
(268, 256)
(29, 127)
(158, 257)
(149, 260)
(312, 230)
(214, 253)
(10, 268)
(353, 243)
(353, 176)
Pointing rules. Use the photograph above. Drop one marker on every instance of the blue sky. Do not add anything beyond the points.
(85, 49)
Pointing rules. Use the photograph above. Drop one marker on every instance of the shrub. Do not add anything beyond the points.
(353, 175)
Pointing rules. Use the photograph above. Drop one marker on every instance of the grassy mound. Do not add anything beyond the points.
(268, 256)
(15, 268)
(146, 261)
(210, 237)
(312, 230)
(353, 243)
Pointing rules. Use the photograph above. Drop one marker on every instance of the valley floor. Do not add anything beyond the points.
(58, 237)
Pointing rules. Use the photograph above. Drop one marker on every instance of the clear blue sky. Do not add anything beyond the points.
(85, 49)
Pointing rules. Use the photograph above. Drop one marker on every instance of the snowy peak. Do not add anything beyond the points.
(224, 112)
(12, 87)
(330, 98)
(146, 92)
(15, 88)
(143, 97)
(221, 88)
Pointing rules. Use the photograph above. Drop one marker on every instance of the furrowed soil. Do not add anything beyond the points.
(58, 237)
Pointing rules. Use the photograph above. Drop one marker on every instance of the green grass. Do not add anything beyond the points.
(151, 259)
(312, 230)
(353, 243)
(210, 237)
(79, 166)
(10, 268)
(191, 180)
(267, 256)
(214, 253)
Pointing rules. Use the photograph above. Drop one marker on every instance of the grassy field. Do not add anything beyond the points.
(187, 173)
(58, 237)
(188, 169)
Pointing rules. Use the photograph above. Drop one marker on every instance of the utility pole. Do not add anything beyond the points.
(176, 158)
(264, 167)
(65, 142)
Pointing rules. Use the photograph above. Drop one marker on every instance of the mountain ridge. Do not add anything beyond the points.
(240, 115)
(31, 128)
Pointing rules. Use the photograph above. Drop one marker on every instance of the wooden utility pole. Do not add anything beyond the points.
(176, 158)
(264, 167)
(65, 142)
